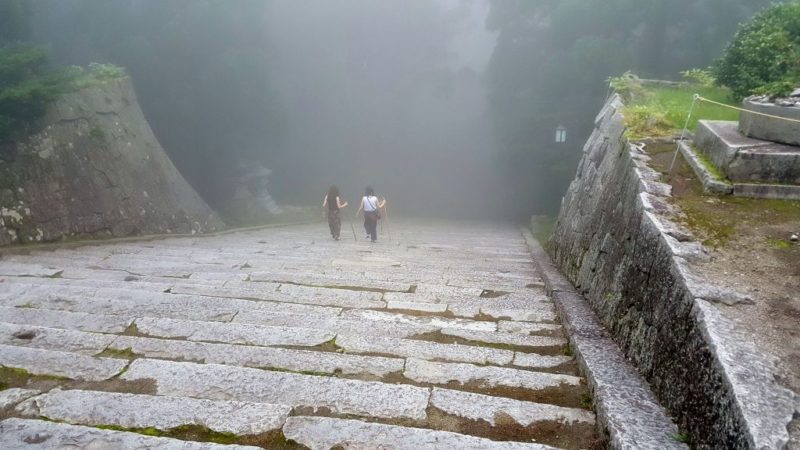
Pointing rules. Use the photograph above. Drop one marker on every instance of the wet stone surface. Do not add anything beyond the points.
(442, 337)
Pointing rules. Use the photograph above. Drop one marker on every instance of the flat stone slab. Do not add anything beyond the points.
(509, 326)
(260, 357)
(79, 407)
(60, 364)
(486, 376)
(287, 293)
(417, 306)
(769, 128)
(322, 433)
(424, 349)
(65, 319)
(28, 270)
(11, 397)
(232, 333)
(535, 361)
(345, 325)
(41, 435)
(54, 339)
(487, 408)
(365, 398)
(337, 282)
(436, 322)
(505, 338)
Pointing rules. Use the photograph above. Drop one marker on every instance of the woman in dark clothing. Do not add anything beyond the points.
(332, 205)
(371, 206)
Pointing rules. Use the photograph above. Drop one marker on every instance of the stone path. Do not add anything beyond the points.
(282, 338)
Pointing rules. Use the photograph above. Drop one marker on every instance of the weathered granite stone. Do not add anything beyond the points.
(53, 339)
(505, 338)
(322, 433)
(64, 319)
(41, 435)
(11, 397)
(711, 183)
(234, 383)
(484, 407)
(769, 128)
(232, 333)
(488, 376)
(532, 360)
(80, 407)
(424, 350)
(417, 306)
(60, 364)
(94, 169)
(526, 327)
(260, 357)
(628, 269)
(437, 322)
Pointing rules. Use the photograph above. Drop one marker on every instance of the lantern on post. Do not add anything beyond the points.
(561, 134)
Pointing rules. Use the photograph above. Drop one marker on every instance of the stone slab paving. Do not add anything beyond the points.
(73, 366)
(42, 435)
(320, 433)
(432, 340)
(488, 408)
(365, 398)
(80, 407)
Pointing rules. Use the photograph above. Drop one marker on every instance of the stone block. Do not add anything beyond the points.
(769, 128)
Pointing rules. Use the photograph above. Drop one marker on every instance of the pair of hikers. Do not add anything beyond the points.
(370, 204)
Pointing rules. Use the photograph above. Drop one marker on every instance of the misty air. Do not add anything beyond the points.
(392, 224)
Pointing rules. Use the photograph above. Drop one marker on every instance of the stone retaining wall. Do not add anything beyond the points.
(94, 170)
(618, 241)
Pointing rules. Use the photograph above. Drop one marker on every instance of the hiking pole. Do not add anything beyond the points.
(354, 231)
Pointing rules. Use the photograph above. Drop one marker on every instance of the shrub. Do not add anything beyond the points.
(628, 86)
(27, 84)
(764, 55)
(701, 77)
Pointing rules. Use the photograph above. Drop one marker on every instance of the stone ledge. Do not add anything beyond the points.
(768, 128)
(628, 413)
(711, 184)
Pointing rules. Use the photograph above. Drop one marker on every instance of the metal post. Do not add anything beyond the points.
(695, 98)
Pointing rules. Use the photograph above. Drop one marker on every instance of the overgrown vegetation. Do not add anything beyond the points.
(29, 82)
(656, 111)
(764, 56)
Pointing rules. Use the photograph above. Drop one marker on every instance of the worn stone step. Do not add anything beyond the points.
(424, 349)
(288, 293)
(505, 338)
(65, 319)
(484, 376)
(329, 281)
(345, 325)
(488, 408)
(364, 398)
(536, 361)
(232, 333)
(260, 357)
(509, 326)
(434, 321)
(53, 339)
(322, 433)
(42, 435)
(79, 407)
(60, 364)
(10, 397)
(16, 269)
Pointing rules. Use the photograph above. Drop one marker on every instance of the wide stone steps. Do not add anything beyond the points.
(281, 340)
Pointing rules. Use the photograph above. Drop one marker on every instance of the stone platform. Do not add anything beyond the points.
(282, 338)
(747, 160)
(770, 128)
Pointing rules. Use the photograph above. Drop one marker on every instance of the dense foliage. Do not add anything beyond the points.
(27, 84)
(764, 56)
(553, 57)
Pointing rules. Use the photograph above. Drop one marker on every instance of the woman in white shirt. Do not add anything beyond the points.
(371, 206)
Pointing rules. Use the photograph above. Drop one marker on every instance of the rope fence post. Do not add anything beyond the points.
(695, 98)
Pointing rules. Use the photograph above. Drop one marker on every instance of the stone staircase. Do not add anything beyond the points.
(280, 338)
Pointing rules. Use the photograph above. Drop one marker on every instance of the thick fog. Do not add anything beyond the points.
(446, 107)
(385, 93)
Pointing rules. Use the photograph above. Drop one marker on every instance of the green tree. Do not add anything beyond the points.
(765, 53)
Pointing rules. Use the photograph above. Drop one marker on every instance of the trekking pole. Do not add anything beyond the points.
(354, 231)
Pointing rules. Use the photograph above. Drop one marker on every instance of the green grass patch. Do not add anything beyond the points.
(709, 165)
(661, 111)
(780, 244)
